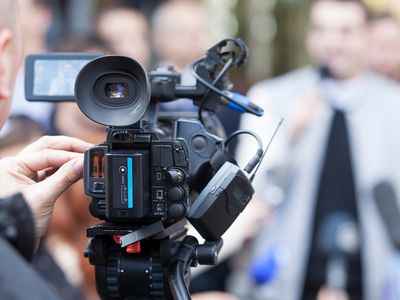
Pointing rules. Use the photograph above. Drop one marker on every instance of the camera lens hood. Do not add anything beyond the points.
(113, 90)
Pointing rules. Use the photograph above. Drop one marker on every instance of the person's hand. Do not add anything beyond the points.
(42, 172)
(213, 296)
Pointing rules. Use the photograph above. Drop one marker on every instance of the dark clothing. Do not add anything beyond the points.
(18, 279)
(336, 194)
(213, 279)
(17, 225)
(51, 272)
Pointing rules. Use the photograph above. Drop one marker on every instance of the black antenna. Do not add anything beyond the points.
(266, 149)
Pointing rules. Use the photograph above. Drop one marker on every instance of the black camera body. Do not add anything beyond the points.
(134, 178)
(139, 176)
(151, 167)
(155, 170)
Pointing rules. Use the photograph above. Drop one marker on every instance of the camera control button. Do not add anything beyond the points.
(175, 176)
(176, 194)
(176, 210)
(199, 143)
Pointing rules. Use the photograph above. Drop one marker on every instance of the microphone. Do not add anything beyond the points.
(338, 239)
(266, 267)
(324, 72)
(241, 104)
(386, 201)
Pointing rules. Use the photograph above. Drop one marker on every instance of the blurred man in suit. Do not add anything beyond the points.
(334, 147)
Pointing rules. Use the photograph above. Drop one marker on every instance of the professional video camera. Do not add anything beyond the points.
(155, 170)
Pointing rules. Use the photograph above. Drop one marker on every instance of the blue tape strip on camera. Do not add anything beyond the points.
(130, 181)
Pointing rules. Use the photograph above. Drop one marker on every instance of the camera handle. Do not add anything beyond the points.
(190, 254)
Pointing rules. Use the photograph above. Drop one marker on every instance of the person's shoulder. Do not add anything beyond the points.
(382, 84)
(382, 94)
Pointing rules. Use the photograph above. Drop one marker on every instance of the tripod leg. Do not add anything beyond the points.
(185, 254)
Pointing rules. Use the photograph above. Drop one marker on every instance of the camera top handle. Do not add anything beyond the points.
(212, 84)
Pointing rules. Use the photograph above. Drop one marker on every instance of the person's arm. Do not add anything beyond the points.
(17, 225)
(41, 172)
(19, 280)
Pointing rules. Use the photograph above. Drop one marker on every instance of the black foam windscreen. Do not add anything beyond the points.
(338, 235)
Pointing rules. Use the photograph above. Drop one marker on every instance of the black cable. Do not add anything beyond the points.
(224, 69)
(266, 149)
(257, 157)
(182, 258)
(219, 92)
(201, 115)
(239, 132)
(179, 289)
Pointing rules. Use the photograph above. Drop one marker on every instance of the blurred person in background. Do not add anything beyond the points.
(33, 118)
(126, 31)
(60, 255)
(31, 181)
(181, 34)
(384, 51)
(36, 19)
(334, 148)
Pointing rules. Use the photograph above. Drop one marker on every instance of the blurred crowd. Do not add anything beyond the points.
(316, 228)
